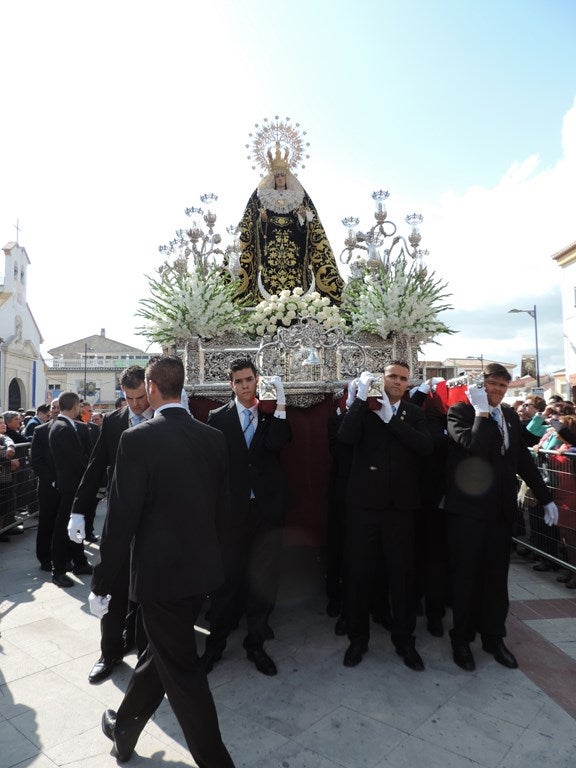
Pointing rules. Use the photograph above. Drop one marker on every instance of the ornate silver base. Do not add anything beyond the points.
(312, 361)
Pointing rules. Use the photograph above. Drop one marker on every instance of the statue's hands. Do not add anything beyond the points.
(263, 214)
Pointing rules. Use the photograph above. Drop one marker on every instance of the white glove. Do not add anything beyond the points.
(386, 411)
(98, 605)
(550, 513)
(436, 380)
(366, 378)
(280, 395)
(425, 387)
(352, 391)
(478, 398)
(77, 529)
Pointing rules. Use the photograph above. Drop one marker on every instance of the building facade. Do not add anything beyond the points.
(92, 367)
(566, 260)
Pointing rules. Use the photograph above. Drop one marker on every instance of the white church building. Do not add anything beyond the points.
(22, 370)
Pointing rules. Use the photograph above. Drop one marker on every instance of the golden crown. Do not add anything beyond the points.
(278, 163)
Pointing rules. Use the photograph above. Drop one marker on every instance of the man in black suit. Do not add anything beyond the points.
(169, 488)
(70, 447)
(118, 625)
(383, 494)
(252, 541)
(48, 496)
(485, 457)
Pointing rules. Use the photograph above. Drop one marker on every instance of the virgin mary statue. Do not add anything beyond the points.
(283, 243)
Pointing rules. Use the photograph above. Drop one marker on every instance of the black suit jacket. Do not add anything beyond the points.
(387, 461)
(41, 455)
(102, 459)
(70, 449)
(169, 487)
(481, 479)
(256, 468)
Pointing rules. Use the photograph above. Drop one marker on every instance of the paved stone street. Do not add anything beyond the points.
(315, 713)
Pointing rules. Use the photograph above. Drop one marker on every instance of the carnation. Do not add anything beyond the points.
(288, 306)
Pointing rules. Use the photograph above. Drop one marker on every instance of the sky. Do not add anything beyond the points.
(118, 115)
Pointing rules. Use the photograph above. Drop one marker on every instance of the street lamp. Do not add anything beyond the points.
(532, 313)
(86, 349)
(480, 358)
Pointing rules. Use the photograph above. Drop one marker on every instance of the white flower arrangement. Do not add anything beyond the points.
(282, 309)
(184, 305)
(397, 299)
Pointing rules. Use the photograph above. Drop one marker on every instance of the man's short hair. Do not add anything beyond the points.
(239, 363)
(403, 363)
(43, 408)
(68, 400)
(497, 371)
(9, 415)
(167, 372)
(132, 377)
(555, 399)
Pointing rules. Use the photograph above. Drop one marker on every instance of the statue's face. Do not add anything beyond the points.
(280, 180)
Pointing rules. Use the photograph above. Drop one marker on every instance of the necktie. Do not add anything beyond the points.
(136, 419)
(394, 410)
(497, 416)
(248, 426)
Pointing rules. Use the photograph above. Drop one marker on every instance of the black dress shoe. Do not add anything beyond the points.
(412, 658)
(102, 669)
(262, 661)
(82, 570)
(210, 657)
(502, 655)
(92, 538)
(341, 626)
(565, 577)
(571, 583)
(62, 580)
(18, 529)
(124, 738)
(544, 566)
(47, 566)
(354, 654)
(462, 655)
(435, 627)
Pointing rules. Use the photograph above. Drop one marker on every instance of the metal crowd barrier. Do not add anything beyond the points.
(18, 490)
(555, 543)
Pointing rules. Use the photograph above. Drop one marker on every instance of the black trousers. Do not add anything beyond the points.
(48, 501)
(171, 665)
(371, 533)
(62, 548)
(121, 626)
(252, 571)
(479, 563)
